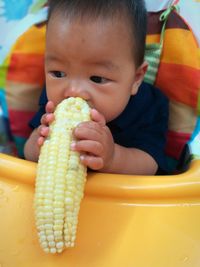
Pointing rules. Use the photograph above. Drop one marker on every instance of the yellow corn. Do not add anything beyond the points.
(60, 179)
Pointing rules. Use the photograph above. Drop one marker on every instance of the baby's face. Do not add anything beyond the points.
(90, 59)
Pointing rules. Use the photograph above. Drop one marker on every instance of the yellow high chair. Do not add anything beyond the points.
(124, 220)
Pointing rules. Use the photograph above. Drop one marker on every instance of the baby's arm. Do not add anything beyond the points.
(132, 161)
(97, 147)
(36, 139)
(99, 152)
(31, 148)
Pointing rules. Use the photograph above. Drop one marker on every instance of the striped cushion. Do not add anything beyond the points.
(177, 75)
(24, 82)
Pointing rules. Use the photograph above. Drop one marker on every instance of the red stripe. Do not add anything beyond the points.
(26, 68)
(174, 21)
(176, 143)
(175, 2)
(19, 122)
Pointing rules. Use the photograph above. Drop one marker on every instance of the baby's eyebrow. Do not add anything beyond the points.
(106, 64)
(51, 58)
(102, 63)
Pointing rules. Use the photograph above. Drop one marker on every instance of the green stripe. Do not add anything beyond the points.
(37, 6)
(3, 73)
(19, 142)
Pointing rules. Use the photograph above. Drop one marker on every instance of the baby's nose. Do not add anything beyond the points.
(76, 91)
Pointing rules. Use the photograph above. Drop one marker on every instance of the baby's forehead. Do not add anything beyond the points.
(121, 15)
(97, 31)
(58, 20)
(114, 19)
(99, 42)
(131, 12)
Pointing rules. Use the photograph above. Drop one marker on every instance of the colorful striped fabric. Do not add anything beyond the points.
(21, 63)
(24, 82)
(178, 76)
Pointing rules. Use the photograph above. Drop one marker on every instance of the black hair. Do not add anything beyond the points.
(134, 10)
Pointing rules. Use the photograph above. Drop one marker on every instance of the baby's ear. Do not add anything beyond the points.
(139, 76)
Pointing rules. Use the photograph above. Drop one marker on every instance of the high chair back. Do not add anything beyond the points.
(174, 67)
(22, 44)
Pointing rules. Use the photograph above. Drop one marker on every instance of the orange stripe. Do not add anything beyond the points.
(179, 83)
(32, 41)
(152, 38)
(26, 68)
(180, 48)
(198, 52)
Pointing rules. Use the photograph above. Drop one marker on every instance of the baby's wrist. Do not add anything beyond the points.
(110, 164)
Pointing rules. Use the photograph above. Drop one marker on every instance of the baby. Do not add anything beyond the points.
(95, 50)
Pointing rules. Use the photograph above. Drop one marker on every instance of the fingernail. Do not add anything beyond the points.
(82, 157)
(73, 145)
(49, 116)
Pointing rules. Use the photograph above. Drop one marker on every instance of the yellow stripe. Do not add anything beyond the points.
(32, 41)
(22, 96)
(180, 48)
(182, 118)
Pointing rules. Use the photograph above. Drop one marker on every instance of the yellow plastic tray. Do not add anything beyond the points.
(125, 221)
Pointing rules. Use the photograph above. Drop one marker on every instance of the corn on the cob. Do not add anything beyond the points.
(60, 179)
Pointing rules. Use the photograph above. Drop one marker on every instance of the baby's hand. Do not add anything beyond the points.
(47, 118)
(95, 142)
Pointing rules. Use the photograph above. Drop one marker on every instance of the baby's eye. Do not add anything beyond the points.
(58, 74)
(98, 79)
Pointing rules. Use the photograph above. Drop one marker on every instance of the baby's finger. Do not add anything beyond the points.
(97, 117)
(43, 130)
(88, 131)
(50, 107)
(88, 146)
(47, 119)
(94, 163)
(40, 141)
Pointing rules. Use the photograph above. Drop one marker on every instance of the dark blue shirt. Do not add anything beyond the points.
(143, 123)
